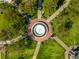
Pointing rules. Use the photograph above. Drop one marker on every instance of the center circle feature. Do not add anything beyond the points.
(39, 29)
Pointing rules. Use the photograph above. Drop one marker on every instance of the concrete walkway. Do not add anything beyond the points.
(2, 43)
(20, 37)
(36, 50)
(10, 41)
(60, 42)
(39, 14)
(58, 11)
(67, 53)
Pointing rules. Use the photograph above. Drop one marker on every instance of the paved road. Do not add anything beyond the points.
(36, 50)
(58, 11)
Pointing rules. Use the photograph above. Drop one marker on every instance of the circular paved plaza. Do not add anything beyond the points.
(39, 30)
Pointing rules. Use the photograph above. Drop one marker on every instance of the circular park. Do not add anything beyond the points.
(39, 29)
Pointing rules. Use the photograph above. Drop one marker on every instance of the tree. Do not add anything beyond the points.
(28, 7)
(21, 57)
(10, 21)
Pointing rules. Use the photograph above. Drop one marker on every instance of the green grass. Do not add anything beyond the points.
(70, 36)
(4, 24)
(19, 49)
(51, 50)
(3, 54)
(26, 53)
